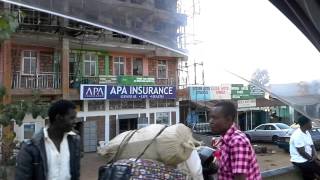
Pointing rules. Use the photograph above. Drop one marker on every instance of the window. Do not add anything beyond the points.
(96, 105)
(90, 64)
(283, 126)
(270, 127)
(261, 127)
(143, 121)
(163, 118)
(137, 67)
(162, 69)
(136, 104)
(29, 62)
(29, 130)
(118, 65)
(162, 103)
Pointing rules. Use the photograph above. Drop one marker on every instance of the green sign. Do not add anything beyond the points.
(240, 91)
(136, 80)
(107, 79)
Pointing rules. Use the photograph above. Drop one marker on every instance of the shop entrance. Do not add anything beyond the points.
(128, 122)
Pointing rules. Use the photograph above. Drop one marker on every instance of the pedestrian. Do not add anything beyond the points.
(54, 152)
(302, 151)
(237, 157)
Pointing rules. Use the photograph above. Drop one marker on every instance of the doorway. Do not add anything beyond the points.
(128, 122)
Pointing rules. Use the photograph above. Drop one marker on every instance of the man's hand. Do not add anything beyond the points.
(239, 177)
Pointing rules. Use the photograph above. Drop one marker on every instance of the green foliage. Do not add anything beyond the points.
(18, 109)
(2, 91)
(8, 24)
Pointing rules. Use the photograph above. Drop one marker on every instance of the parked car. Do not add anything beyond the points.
(269, 132)
(283, 142)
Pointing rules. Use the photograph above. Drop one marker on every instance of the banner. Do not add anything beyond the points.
(201, 93)
(141, 92)
(136, 80)
(222, 92)
(93, 92)
(247, 103)
(240, 91)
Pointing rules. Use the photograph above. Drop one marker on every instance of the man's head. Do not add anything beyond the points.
(62, 115)
(222, 116)
(305, 123)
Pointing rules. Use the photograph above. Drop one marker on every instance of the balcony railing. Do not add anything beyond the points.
(75, 81)
(43, 80)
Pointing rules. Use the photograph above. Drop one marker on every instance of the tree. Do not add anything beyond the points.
(14, 113)
(8, 24)
(260, 77)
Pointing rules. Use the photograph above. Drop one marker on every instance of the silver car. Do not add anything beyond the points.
(269, 132)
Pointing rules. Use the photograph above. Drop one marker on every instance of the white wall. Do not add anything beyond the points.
(19, 130)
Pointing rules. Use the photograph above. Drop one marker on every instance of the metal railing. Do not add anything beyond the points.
(43, 80)
(75, 81)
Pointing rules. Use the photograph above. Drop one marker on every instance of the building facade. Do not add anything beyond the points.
(56, 57)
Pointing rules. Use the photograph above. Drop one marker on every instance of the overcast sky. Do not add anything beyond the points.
(242, 36)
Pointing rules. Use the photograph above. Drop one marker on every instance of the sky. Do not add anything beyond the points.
(242, 36)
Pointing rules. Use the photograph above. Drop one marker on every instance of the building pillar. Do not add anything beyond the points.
(7, 70)
(65, 68)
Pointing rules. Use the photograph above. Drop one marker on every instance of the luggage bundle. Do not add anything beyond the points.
(173, 146)
(145, 154)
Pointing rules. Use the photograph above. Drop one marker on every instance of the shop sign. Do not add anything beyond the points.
(93, 92)
(141, 92)
(201, 93)
(247, 103)
(240, 91)
(108, 80)
(222, 92)
(136, 80)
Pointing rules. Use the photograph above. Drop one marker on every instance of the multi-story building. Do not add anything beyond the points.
(57, 57)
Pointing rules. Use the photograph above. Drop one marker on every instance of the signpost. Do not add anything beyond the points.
(239, 92)
(201, 93)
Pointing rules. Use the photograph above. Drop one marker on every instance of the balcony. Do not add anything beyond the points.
(43, 81)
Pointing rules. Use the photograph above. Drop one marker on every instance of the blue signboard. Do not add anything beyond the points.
(141, 92)
(93, 92)
(201, 93)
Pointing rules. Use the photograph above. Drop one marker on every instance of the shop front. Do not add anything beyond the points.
(111, 110)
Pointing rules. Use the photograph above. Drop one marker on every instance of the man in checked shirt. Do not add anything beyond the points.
(238, 160)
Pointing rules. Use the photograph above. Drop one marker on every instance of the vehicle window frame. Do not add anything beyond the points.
(258, 128)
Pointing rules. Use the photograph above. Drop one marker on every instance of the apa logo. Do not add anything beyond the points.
(93, 92)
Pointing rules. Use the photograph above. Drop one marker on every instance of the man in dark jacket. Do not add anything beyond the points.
(53, 153)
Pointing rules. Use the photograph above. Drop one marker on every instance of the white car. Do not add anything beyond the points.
(269, 132)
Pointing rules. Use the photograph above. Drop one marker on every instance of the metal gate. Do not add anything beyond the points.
(90, 136)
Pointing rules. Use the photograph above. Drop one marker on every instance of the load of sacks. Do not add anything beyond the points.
(172, 147)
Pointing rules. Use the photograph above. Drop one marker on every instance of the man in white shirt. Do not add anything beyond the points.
(302, 151)
(54, 153)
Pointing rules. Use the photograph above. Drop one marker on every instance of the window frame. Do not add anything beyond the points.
(23, 129)
(90, 61)
(162, 65)
(23, 58)
(135, 59)
(118, 63)
(259, 127)
(157, 115)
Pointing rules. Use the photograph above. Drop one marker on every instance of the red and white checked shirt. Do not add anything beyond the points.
(237, 156)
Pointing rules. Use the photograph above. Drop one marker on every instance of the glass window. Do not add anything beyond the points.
(141, 104)
(118, 65)
(270, 127)
(162, 69)
(29, 130)
(137, 68)
(90, 64)
(29, 62)
(113, 105)
(143, 121)
(96, 105)
(163, 118)
(282, 126)
(261, 127)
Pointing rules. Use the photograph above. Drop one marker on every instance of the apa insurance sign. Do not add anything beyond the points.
(141, 92)
(93, 92)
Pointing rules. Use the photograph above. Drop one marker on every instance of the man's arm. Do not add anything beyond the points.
(24, 164)
(314, 153)
(239, 177)
(303, 153)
